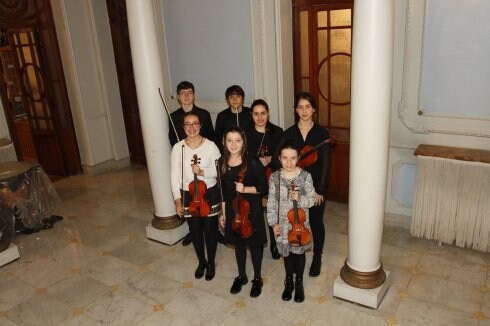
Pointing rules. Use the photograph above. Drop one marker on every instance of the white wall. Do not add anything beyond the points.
(411, 126)
(86, 48)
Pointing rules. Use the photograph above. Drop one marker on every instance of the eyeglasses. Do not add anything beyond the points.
(194, 124)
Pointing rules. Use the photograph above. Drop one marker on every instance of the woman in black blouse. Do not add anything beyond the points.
(263, 138)
(234, 162)
(307, 132)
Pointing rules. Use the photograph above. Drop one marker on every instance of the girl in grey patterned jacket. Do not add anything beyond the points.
(280, 201)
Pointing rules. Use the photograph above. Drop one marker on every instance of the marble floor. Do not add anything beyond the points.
(96, 267)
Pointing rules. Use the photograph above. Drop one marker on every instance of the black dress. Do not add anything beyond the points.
(254, 176)
(320, 170)
(268, 142)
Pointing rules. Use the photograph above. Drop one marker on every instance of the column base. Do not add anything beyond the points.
(363, 280)
(166, 222)
(366, 297)
(8, 255)
(169, 237)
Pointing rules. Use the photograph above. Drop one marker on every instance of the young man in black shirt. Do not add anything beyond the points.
(235, 115)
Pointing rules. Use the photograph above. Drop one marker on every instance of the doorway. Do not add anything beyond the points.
(118, 20)
(322, 43)
(33, 89)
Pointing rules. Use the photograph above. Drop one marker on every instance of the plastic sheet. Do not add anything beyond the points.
(26, 192)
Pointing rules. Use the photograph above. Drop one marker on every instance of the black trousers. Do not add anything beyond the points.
(241, 259)
(295, 263)
(204, 231)
(317, 229)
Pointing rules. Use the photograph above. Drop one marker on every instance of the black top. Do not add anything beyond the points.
(254, 176)
(227, 119)
(268, 142)
(177, 116)
(320, 170)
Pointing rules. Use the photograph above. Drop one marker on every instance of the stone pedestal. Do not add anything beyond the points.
(366, 297)
(9, 255)
(167, 236)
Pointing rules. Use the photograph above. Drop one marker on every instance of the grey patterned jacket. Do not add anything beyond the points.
(280, 201)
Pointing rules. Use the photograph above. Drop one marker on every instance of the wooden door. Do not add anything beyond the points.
(322, 32)
(122, 52)
(34, 83)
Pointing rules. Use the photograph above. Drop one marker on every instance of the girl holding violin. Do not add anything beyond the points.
(195, 191)
(263, 138)
(307, 134)
(243, 185)
(291, 193)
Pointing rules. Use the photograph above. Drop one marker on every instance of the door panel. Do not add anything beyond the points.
(35, 89)
(39, 108)
(127, 88)
(322, 32)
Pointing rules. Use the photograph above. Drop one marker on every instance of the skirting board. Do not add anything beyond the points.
(167, 236)
(366, 297)
(8, 255)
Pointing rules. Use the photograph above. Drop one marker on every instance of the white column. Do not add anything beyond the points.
(154, 120)
(372, 56)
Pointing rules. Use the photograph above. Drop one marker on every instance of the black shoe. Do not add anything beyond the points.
(199, 273)
(221, 238)
(274, 253)
(287, 294)
(316, 266)
(55, 218)
(299, 291)
(210, 272)
(187, 240)
(237, 284)
(256, 287)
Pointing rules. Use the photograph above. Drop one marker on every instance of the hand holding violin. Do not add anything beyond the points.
(294, 195)
(265, 160)
(196, 169)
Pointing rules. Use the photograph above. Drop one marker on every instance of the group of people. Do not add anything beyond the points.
(224, 179)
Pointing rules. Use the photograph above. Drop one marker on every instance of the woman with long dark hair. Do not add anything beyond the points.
(263, 138)
(243, 178)
(307, 132)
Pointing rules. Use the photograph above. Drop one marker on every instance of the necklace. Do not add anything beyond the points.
(194, 145)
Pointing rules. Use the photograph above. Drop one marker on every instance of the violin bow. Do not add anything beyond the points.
(168, 113)
(182, 175)
(326, 141)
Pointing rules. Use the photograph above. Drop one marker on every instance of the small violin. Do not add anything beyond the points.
(241, 223)
(299, 235)
(261, 153)
(309, 155)
(198, 206)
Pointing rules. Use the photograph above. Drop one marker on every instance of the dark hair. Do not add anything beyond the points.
(288, 144)
(186, 114)
(234, 90)
(259, 102)
(305, 96)
(226, 152)
(185, 85)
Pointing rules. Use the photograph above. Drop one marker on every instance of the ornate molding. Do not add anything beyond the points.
(409, 111)
(363, 280)
(395, 180)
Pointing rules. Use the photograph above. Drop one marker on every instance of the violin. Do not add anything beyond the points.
(198, 206)
(299, 235)
(241, 223)
(261, 153)
(309, 155)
